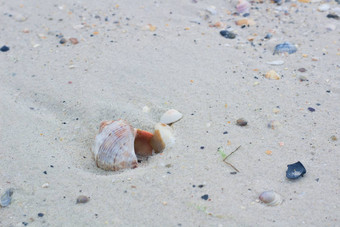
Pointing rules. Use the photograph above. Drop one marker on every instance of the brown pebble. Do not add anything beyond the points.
(334, 138)
(74, 41)
(241, 122)
(82, 199)
(302, 70)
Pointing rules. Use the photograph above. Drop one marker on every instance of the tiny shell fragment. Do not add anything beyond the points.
(171, 116)
(285, 47)
(6, 198)
(272, 75)
(82, 199)
(245, 22)
(74, 41)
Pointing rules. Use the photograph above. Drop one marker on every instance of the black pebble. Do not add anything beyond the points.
(227, 34)
(4, 48)
(40, 215)
(201, 186)
(233, 173)
(225, 132)
(311, 109)
(205, 197)
(24, 223)
(333, 16)
(45, 172)
(202, 147)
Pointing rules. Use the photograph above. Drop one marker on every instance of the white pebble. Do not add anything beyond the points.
(323, 7)
(46, 185)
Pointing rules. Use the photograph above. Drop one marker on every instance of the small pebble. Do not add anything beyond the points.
(46, 185)
(202, 147)
(334, 138)
(74, 41)
(233, 173)
(62, 41)
(40, 215)
(205, 197)
(302, 70)
(333, 16)
(274, 124)
(241, 122)
(4, 49)
(311, 109)
(227, 34)
(82, 199)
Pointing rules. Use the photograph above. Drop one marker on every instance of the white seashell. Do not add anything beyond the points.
(270, 198)
(114, 146)
(162, 137)
(171, 116)
(243, 6)
(277, 62)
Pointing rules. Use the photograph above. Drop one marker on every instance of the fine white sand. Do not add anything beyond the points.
(54, 96)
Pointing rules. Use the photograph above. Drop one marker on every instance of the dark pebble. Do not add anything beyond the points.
(225, 132)
(40, 215)
(45, 172)
(311, 109)
(62, 41)
(202, 147)
(4, 48)
(201, 186)
(205, 197)
(302, 70)
(24, 223)
(246, 15)
(233, 173)
(82, 199)
(333, 16)
(241, 122)
(227, 34)
(268, 36)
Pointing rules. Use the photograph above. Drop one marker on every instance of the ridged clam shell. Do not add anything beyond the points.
(171, 116)
(270, 198)
(114, 146)
(163, 137)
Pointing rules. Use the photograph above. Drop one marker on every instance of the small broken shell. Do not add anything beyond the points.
(163, 137)
(171, 116)
(295, 170)
(143, 143)
(270, 198)
(272, 75)
(285, 47)
(6, 198)
(243, 6)
(114, 146)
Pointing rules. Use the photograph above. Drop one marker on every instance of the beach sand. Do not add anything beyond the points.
(164, 55)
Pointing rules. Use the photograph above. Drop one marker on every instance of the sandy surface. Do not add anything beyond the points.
(53, 97)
